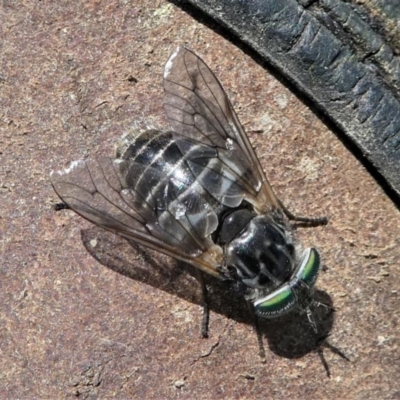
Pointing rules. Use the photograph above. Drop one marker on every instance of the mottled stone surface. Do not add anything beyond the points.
(85, 313)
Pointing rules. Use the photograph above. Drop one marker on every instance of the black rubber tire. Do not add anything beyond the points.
(338, 55)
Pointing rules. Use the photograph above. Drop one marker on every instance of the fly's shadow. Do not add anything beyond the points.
(289, 336)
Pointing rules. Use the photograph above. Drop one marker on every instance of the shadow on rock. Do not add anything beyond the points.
(289, 336)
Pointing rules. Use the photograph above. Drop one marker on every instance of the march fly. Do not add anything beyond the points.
(197, 192)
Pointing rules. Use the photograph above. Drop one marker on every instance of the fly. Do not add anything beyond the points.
(198, 193)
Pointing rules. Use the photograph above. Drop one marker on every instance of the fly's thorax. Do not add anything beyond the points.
(262, 255)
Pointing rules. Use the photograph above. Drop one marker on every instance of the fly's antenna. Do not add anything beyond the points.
(311, 319)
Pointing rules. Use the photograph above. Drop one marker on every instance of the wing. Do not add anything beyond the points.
(198, 107)
(121, 196)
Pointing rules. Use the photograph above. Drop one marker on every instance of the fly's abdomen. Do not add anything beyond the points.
(170, 194)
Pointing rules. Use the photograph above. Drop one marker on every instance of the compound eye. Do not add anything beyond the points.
(309, 268)
(276, 303)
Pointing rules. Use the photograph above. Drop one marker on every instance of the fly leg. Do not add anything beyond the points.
(61, 206)
(303, 220)
(204, 300)
(323, 342)
(261, 349)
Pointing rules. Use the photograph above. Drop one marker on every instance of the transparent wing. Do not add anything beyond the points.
(120, 196)
(198, 107)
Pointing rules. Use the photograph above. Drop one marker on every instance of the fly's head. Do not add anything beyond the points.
(263, 257)
(297, 292)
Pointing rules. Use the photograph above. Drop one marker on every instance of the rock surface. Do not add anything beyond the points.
(84, 313)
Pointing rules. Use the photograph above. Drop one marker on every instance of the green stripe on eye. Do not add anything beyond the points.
(309, 269)
(276, 303)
